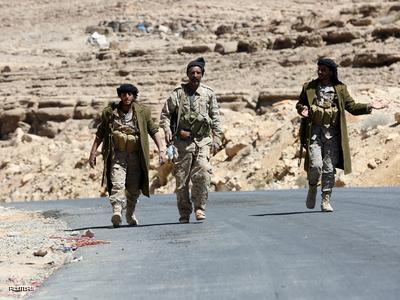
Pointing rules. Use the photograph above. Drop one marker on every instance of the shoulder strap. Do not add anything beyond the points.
(179, 113)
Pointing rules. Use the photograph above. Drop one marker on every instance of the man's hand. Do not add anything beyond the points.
(161, 157)
(92, 159)
(304, 112)
(378, 104)
(168, 136)
(185, 135)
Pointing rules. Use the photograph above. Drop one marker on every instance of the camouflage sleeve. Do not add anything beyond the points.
(352, 107)
(152, 127)
(169, 108)
(215, 119)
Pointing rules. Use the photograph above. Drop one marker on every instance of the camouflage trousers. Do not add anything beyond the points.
(324, 156)
(193, 166)
(126, 175)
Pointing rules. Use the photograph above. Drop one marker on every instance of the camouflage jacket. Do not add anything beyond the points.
(204, 103)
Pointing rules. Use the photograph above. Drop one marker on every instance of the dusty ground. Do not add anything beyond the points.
(53, 85)
(21, 235)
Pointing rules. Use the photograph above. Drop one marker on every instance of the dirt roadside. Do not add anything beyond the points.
(33, 245)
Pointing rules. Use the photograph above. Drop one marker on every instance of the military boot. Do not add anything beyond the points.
(130, 216)
(184, 219)
(325, 205)
(116, 218)
(200, 215)
(311, 196)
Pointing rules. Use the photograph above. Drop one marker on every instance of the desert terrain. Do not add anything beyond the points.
(61, 62)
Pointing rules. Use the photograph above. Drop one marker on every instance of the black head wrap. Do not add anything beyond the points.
(198, 62)
(332, 66)
(127, 88)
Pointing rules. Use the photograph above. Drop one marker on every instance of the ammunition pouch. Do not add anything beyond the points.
(197, 124)
(125, 142)
(325, 116)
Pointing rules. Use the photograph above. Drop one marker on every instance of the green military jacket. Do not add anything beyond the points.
(146, 127)
(346, 103)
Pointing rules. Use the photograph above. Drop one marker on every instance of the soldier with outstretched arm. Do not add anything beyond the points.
(322, 104)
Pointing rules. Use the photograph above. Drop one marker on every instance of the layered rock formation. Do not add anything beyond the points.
(56, 76)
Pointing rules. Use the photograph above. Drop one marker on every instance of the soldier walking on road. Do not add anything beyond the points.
(124, 130)
(322, 104)
(191, 122)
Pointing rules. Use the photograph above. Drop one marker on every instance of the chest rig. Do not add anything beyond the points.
(194, 114)
(324, 110)
(125, 132)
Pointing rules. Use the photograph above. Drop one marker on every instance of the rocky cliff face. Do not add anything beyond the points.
(61, 62)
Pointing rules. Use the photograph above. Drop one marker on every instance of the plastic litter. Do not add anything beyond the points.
(141, 27)
(97, 39)
(172, 152)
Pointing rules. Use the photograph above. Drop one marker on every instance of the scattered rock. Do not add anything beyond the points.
(397, 117)
(312, 40)
(270, 96)
(361, 22)
(40, 252)
(247, 46)
(336, 37)
(133, 53)
(226, 48)
(99, 29)
(372, 165)
(223, 29)
(283, 42)
(10, 119)
(105, 55)
(88, 233)
(386, 32)
(56, 114)
(369, 10)
(391, 137)
(232, 149)
(373, 60)
(27, 178)
(6, 69)
(194, 49)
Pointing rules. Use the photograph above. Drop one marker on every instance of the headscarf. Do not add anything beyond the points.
(127, 88)
(332, 66)
(198, 62)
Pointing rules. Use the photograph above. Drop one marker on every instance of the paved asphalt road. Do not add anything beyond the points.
(253, 245)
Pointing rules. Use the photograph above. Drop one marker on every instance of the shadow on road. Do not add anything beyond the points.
(287, 213)
(126, 226)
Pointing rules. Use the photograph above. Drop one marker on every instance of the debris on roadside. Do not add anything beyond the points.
(40, 252)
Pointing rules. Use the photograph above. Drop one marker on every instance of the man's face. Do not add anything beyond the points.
(195, 74)
(324, 73)
(127, 98)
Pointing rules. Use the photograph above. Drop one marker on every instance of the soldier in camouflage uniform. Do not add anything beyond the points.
(124, 130)
(322, 104)
(190, 119)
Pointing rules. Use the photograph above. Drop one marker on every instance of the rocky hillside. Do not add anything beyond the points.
(61, 61)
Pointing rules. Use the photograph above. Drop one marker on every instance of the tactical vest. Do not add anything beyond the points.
(325, 113)
(126, 135)
(196, 123)
(195, 119)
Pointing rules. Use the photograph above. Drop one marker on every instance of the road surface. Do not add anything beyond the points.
(253, 245)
